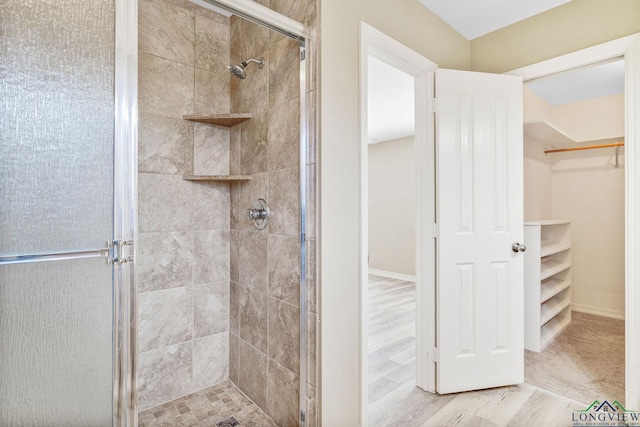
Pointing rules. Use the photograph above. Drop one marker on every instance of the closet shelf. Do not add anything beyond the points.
(552, 137)
(217, 178)
(552, 307)
(550, 267)
(552, 287)
(553, 328)
(226, 120)
(549, 247)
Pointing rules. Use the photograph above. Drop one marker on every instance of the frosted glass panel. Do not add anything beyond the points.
(56, 352)
(56, 125)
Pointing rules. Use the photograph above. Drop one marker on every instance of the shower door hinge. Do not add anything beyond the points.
(114, 252)
(302, 54)
(436, 231)
(302, 417)
(436, 355)
(303, 237)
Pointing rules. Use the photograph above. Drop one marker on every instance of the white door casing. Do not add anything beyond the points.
(480, 215)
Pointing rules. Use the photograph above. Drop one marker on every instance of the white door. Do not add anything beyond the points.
(479, 214)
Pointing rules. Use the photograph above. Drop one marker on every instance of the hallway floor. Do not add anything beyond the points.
(207, 408)
(394, 400)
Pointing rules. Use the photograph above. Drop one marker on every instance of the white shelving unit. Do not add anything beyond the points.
(547, 281)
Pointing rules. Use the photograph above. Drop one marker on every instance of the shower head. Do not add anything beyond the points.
(237, 70)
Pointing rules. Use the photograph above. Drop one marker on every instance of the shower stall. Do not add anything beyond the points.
(157, 209)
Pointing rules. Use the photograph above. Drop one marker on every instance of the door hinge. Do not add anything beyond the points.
(436, 354)
(114, 252)
(434, 105)
(302, 416)
(303, 54)
(436, 231)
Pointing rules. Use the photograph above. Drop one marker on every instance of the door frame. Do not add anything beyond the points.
(380, 46)
(628, 48)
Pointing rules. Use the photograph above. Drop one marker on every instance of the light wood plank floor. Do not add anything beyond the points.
(395, 401)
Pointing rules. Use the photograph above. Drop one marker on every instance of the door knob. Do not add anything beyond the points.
(517, 247)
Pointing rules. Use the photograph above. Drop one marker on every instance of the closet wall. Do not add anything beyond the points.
(586, 188)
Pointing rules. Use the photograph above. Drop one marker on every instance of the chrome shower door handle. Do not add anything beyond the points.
(517, 247)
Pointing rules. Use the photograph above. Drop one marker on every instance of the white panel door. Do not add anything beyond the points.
(480, 215)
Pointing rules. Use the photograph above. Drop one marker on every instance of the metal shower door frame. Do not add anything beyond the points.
(275, 21)
(124, 330)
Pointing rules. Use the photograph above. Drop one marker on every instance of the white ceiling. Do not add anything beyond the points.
(475, 18)
(390, 103)
(581, 84)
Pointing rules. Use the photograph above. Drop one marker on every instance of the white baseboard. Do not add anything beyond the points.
(392, 275)
(598, 311)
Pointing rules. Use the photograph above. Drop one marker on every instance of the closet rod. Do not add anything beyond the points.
(586, 147)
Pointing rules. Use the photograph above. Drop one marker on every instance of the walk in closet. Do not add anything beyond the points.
(574, 233)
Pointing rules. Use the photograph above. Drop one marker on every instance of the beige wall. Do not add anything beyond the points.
(570, 27)
(587, 189)
(410, 23)
(392, 206)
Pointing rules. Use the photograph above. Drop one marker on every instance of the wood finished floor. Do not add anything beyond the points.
(395, 401)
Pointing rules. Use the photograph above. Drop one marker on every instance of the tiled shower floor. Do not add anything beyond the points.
(207, 407)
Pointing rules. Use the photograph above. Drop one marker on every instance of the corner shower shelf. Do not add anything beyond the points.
(226, 120)
(217, 178)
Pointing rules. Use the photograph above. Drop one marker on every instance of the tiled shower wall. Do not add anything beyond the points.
(194, 237)
(183, 253)
(265, 264)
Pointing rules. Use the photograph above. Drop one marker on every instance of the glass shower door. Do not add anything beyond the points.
(57, 299)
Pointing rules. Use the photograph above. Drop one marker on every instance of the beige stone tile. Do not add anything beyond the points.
(283, 402)
(165, 317)
(238, 211)
(212, 43)
(283, 256)
(283, 136)
(164, 374)
(210, 150)
(284, 72)
(253, 374)
(235, 256)
(212, 91)
(254, 272)
(165, 203)
(294, 9)
(235, 140)
(211, 304)
(211, 203)
(166, 30)
(210, 14)
(253, 319)
(165, 145)
(284, 334)
(234, 357)
(211, 250)
(254, 41)
(253, 146)
(234, 310)
(283, 200)
(210, 360)
(165, 87)
(165, 260)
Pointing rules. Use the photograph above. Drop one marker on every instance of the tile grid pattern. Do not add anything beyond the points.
(265, 266)
(184, 228)
(207, 408)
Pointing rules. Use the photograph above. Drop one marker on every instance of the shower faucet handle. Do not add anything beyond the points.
(259, 214)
